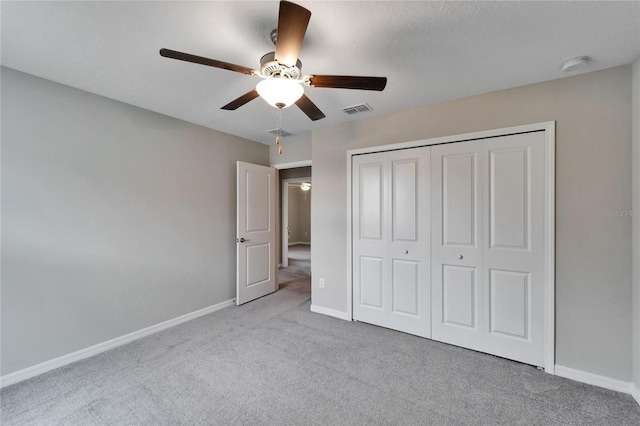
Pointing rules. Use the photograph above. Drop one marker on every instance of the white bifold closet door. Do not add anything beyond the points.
(456, 289)
(391, 250)
(487, 245)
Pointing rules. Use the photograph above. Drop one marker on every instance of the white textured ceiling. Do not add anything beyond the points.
(430, 52)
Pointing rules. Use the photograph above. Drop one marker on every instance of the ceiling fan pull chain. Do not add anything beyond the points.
(279, 127)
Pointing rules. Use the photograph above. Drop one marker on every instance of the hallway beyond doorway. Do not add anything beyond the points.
(299, 259)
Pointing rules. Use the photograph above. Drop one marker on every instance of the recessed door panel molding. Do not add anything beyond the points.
(405, 287)
(405, 207)
(258, 264)
(510, 197)
(258, 194)
(510, 303)
(371, 201)
(371, 269)
(459, 187)
(459, 289)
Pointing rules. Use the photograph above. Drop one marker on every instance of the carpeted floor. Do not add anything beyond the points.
(274, 362)
(300, 259)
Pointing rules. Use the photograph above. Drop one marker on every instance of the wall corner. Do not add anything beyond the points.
(635, 141)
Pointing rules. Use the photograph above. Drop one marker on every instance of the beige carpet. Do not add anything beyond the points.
(273, 362)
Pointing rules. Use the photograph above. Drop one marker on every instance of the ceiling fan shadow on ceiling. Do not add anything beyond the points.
(283, 82)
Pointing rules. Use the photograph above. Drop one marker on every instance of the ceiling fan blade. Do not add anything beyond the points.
(181, 56)
(348, 82)
(309, 108)
(292, 25)
(235, 104)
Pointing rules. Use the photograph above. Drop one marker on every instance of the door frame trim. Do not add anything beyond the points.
(549, 127)
(291, 165)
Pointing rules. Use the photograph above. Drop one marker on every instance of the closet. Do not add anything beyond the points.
(448, 243)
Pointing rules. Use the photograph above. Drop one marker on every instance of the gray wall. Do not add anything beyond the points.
(636, 223)
(299, 215)
(292, 214)
(593, 174)
(114, 218)
(294, 148)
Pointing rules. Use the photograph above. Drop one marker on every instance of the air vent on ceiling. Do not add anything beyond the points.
(355, 109)
(283, 133)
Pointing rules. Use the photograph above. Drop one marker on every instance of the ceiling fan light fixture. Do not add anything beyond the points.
(280, 92)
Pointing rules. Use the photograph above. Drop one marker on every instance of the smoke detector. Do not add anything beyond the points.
(575, 63)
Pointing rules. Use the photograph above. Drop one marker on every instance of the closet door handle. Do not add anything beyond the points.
(241, 240)
(460, 257)
(406, 252)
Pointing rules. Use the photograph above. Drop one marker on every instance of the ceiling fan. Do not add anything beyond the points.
(283, 82)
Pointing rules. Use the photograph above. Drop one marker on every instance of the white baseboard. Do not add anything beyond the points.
(299, 242)
(635, 392)
(593, 379)
(330, 312)
(29, 372)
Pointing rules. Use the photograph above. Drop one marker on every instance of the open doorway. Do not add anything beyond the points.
(295, 222)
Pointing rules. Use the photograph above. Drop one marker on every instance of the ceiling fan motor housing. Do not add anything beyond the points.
(269, 67)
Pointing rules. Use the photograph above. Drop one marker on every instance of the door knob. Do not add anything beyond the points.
(241, 240)
(460, 257)
(406, 252)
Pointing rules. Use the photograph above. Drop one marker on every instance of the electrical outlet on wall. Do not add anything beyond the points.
(321, 282)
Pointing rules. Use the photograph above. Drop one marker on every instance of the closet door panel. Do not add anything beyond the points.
(459, 199)
(391, 249)
(509, 303)
(459, 301)
(509, 196)
(405, 202)
(457, 279)
(405, 287)
(371, 205)
(514, 251)
(409, 247)
(370, 282)
(370, 236)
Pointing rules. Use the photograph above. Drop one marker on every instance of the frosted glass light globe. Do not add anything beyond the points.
(280, 92)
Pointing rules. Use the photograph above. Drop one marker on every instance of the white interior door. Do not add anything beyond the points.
(488, 245)
(391, 240)
(457, 276)
(514, 247)
(370, 238)
(256, 233)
